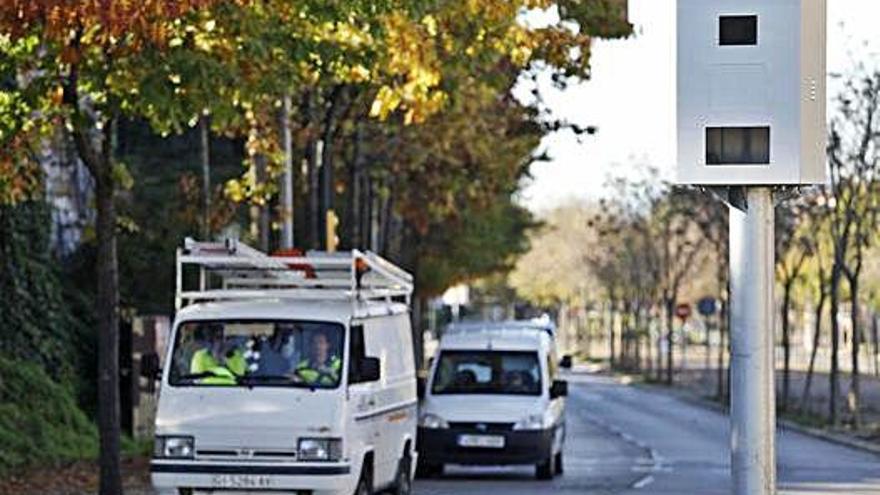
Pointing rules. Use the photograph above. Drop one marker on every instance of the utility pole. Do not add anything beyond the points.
(752, 390)
(287, 239)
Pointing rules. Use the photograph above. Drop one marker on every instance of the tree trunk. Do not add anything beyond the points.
(327, 181)
(707, 329)
(875, 337)
(625, 330)
(855, 385)
(108, 333)
(99, 160)
(611, 347)
(419, 305)
(316, 153)
(658, 342)
(286, 198)
(834, 376)
(354, 202)
(817, 334)
(670, 339)
(786, 341)
(263, 216)
(722, 348)
(205, 134)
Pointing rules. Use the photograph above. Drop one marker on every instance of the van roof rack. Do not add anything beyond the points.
(232, 270)
(535, 324)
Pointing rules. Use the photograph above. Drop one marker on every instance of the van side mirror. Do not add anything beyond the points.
(150, 367)
(565, 362)
(369, 369)
(558, 389)
(421, 386)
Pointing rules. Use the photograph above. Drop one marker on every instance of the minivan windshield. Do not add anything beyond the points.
(257, 353)
(487, 372)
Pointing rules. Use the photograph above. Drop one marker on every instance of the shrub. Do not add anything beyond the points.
(40, 422)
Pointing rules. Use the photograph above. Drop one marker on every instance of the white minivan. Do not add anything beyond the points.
(287, 375)
(493, 397)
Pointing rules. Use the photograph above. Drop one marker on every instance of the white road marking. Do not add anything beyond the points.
(647, 480)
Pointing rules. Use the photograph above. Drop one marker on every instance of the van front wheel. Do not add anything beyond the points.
(365, 484)
(545, 470)
(403, 480)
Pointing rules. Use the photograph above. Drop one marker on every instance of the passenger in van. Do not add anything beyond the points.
(279, 356)
(465, 379)
(518, 382)
(321, 367)
(222, 365)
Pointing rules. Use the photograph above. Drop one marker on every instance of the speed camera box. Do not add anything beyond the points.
(751, 92)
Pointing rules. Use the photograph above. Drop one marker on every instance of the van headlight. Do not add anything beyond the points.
(531, 422)
(174, 447)
(432, 422)
(319, 449)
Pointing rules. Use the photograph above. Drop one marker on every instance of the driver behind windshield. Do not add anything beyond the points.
(221, 364)
(321, 367)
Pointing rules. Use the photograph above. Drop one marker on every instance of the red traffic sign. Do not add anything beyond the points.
(683, 311)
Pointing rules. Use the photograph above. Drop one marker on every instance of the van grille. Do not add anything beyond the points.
(478, 426)
(247, 454)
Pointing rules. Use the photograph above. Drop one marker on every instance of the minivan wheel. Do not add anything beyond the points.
(545, 470)
(559, 467)
(365, 484)
(403, 480)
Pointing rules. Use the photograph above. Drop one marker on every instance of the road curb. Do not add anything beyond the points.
(787, 424)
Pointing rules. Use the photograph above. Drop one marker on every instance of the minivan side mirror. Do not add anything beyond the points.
(369, 369)
(565, 362)
(558, 389)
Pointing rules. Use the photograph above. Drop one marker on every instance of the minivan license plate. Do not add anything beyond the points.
(482, 441)
(241, 481)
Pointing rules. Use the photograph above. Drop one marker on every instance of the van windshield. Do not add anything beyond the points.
(487, 372)
(257, 353)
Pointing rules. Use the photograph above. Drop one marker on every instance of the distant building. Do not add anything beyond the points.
(69, 192)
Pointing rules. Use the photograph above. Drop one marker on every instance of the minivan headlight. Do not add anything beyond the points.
(319, 449)
(175, 447)
(432, 421)
(530, 422)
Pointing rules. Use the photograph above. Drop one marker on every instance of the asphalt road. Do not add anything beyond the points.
(628, 440)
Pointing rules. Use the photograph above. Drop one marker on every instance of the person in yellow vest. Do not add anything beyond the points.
(222, 366)
(321, 367)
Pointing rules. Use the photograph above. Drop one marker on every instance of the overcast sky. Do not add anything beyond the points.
(631, 99)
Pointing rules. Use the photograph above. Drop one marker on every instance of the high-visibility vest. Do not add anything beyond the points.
(327, 375)
(222, 374)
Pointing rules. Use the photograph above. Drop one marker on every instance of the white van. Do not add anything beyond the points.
(493, 397)
(287, 375)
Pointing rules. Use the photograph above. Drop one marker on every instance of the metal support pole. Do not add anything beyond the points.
(752, 393)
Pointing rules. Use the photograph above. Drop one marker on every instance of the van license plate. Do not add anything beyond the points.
(241, 481)
(482, 441)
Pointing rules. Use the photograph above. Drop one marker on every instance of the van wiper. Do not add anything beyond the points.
(255, 379)
(203, 374)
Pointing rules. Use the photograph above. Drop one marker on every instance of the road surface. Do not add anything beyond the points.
(633, 441)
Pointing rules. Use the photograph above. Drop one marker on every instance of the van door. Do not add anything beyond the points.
(557, 405)
(362, 395)
(389, 339)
